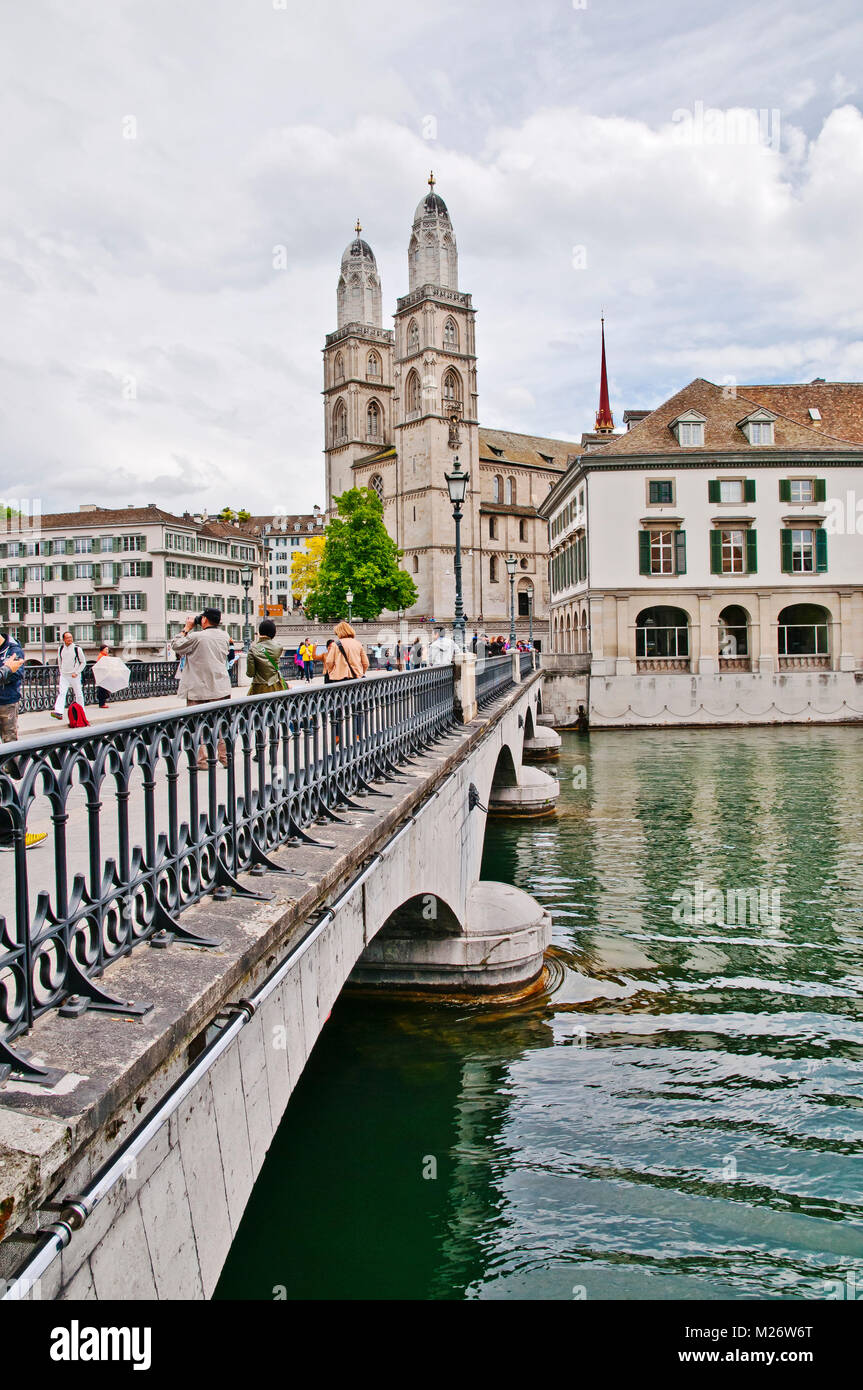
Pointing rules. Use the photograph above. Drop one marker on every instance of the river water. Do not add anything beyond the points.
(679, 1115)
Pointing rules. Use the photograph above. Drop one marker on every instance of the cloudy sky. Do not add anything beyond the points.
(158, 345)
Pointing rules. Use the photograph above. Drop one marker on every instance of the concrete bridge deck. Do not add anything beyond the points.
(409, 860)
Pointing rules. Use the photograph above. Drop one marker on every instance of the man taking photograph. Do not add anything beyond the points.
(205, 676)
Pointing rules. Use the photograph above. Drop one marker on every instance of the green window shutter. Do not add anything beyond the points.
(751, 552)
(97, 544)
(70, 547)
(784, 490)
(71, 603)
(644, 552)
(749, 490)
(680, 552)
(116, 544)
(142, 542)
(713, 490)
(147, 569)
(143, 602)
(715, 552)
(785, 549)
(820, 489)
(820, 551)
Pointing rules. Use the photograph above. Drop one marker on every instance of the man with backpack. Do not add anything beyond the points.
(70, 662)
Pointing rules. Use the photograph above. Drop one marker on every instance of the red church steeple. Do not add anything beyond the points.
(604, 417)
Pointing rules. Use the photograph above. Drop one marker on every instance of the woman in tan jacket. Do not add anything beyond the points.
(346, 659)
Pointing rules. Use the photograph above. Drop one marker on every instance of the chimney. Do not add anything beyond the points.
(89, 507)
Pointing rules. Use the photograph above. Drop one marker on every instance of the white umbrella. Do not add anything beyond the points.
(111, 673)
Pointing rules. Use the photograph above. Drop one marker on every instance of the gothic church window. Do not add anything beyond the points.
(373, 366)
(492, 569)
(450, 334)
(373, 421)
(510, 490)
(340, 367)
(451, 388)
(413, 336)
(416, 564)
(340, 423)
(414, 395)
(497, 491)
(376, 483)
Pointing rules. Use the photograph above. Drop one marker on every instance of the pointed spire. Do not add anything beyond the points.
(604, 417)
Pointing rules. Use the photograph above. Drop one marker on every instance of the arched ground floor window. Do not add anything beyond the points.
(733, 639)
(803, 638)
(662, 639)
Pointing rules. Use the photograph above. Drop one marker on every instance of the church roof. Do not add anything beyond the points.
(431, 204)
(531, 450)
(359, 249)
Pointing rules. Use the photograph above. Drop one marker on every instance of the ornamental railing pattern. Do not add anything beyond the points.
(493, 676)
(147, 817)
(149, 678)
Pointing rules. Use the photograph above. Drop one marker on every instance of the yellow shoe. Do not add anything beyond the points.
(34, 838)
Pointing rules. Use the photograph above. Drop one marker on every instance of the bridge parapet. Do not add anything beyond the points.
(139, 1162)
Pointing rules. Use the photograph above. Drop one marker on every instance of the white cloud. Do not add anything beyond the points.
(150, 260)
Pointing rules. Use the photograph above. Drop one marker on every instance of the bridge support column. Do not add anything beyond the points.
(543, 745)
(534, 794)
(465, 685)
(499, 951)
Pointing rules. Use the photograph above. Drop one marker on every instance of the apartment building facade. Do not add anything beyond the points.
(128, 576)
(281, 538)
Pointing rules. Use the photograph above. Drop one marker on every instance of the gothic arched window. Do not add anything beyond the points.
(450, 334)
(497, 489)
(376, 483)
(413, 394)
(373, 421)
(510, 490)
(451, 388)
(340, 423)
(413, 336)
(373, 365)
(339, 371)
(416, 564)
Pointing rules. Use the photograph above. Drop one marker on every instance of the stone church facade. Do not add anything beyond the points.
(400, 404)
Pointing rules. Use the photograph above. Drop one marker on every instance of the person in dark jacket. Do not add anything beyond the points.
(11, 680)
(262, 663)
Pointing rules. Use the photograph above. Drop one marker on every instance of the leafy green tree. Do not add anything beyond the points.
(227, 514)
(360, 555)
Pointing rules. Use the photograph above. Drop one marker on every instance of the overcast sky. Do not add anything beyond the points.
(156, 154)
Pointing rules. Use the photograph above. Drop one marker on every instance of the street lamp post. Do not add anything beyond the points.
(349, 597)
(246, 581)
(530, 613)
(511, 563)
(457, 482)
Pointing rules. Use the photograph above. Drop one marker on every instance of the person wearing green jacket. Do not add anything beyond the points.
(262, 663)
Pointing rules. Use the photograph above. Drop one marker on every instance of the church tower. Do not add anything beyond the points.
(358, 373)
(435, 415)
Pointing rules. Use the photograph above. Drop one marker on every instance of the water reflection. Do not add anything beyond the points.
(679, 1117)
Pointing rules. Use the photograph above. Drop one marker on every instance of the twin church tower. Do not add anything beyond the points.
(401, 404)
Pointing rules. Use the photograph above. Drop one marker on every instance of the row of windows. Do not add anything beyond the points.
(493, 533)
(19, 574)
(661, 491)
(569, 566)
(211, 574)
(82, 632)
(450, 339)
(567, 516)
(87, 603)
(803, 631)
(733, 550)
(689, 429)
(74, 545)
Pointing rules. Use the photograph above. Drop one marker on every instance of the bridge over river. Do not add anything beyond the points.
(170, 954)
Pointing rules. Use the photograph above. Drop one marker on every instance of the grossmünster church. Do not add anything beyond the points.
(401, 403)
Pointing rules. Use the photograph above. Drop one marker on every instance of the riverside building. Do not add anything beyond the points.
(718, 538)
(127, 575)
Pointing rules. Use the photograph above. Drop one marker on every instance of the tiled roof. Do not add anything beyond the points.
(840, 404)
(524, 449)
(112, 516)
(723, 412)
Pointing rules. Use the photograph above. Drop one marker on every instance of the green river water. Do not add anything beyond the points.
(679, 1115)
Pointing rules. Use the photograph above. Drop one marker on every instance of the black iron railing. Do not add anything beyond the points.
(39, 687)
(143, 821)
(493, 676)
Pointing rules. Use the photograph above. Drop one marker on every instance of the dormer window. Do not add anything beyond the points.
(689, 430)
(758, 427)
